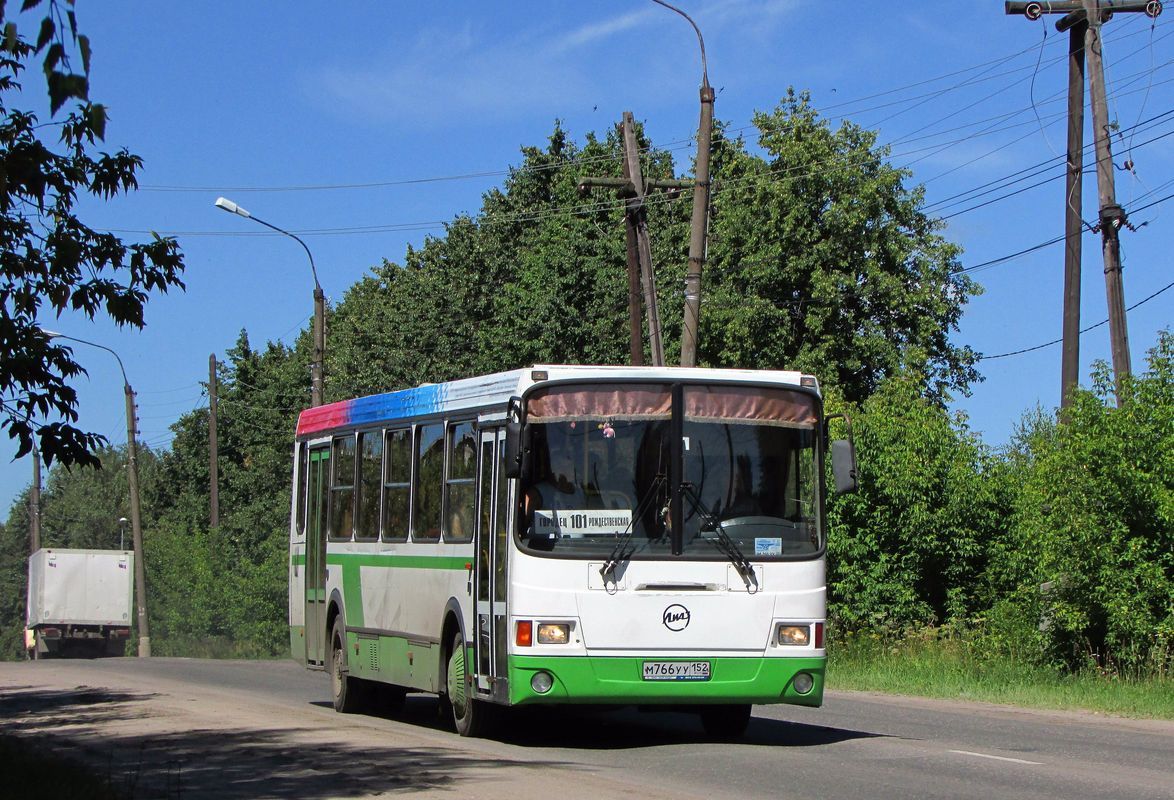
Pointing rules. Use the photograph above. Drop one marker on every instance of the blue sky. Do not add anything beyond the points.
(313, 115)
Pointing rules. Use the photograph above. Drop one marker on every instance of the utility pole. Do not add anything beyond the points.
(213, 471)
(1086, 17)
(1073, 220)
(35, 504)
(643, 246)
(136, 521)
(633, 188)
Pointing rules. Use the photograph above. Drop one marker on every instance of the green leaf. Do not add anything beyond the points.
(83, 44)
(47, 31)
(53, 56)
(29, 4)
(10, 38)
(96, 119)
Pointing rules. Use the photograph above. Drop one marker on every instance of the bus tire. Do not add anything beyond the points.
(470, 717)
(725, 722)
(347, 692)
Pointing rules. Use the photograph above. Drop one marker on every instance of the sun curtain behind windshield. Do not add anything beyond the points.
(600, 467)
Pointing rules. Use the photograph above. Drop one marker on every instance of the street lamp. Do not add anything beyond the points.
(316, 368)
(700, 219)
(136, 521)
(122, 533)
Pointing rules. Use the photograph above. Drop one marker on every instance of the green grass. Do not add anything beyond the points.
(32, 773)
(956, 669)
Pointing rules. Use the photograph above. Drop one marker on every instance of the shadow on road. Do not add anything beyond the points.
(301, 762)
(619, 728)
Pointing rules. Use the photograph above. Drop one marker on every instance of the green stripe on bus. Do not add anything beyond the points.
(401, 562)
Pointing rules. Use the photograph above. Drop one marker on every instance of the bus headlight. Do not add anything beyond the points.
(553, 632)
(794, 635)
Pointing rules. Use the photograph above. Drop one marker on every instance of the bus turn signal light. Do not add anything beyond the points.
(525, 636)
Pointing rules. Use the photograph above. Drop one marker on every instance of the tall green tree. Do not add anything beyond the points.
(50, 260)
(819, 259)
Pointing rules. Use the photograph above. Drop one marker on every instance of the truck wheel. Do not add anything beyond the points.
(348, 692)
(725, 722)
(470, 717)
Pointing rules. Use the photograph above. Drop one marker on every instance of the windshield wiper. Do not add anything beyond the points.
(622, 551)
(728, 547)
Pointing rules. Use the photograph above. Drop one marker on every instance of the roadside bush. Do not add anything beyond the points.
(908, 549)
(1090, 553)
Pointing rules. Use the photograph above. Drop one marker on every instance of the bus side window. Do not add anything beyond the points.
(428, 482)
(370, 480)
(342, 487)
(397, 486)
(303, 481)
(460, 499)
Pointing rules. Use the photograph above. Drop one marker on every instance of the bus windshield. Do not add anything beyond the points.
(601, 469)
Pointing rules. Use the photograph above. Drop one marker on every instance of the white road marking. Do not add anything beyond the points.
(996, 758)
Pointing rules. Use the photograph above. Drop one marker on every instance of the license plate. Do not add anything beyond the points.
(676, 670)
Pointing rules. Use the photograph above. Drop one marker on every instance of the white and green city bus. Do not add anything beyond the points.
(568, 534)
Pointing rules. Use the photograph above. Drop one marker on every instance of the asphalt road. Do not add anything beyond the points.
(188, 728)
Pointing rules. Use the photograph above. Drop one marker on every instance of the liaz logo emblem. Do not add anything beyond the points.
(676, 617)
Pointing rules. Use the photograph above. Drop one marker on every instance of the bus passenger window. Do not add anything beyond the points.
(370, 477)
(342, 488)
(429, 481)
(459, 485)
(397, 490)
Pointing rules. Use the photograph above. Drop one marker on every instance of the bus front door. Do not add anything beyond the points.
(489, 640)
(316, 555)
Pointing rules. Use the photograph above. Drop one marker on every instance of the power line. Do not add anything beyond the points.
(1083, 330)
(679, 143)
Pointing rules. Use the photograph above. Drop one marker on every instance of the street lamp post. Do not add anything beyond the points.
(316, 369)
(699, 222)
(136, 520)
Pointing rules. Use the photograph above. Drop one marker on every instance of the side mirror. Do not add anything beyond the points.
(513, 438)
(844, 466)
(843, 456)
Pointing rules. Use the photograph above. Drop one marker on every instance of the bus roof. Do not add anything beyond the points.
(496, 389)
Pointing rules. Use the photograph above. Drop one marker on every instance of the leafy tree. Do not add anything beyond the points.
(51, 261)
(909, 548)
(1094, 526)
(223, 590)
(821, 259)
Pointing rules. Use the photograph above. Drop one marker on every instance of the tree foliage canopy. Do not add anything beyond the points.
(50, 260)
(819, 259)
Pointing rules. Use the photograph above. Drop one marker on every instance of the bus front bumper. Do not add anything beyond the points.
(619, 680)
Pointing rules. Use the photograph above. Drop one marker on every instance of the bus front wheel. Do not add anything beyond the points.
(470, 717)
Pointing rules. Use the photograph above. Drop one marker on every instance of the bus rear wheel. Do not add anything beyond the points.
(470, 717)
(348, 693)
(725, 722)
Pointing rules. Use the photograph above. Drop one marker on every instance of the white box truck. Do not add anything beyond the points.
(80, 601)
